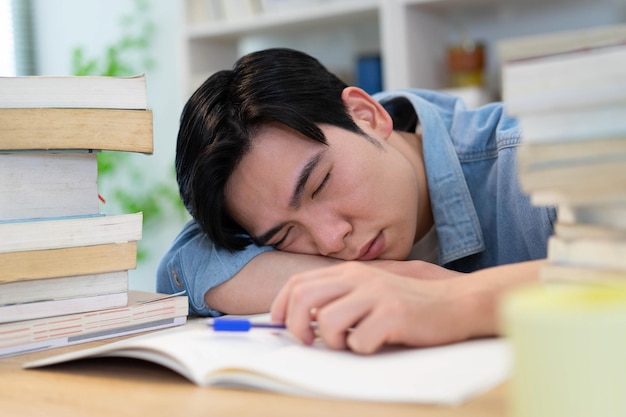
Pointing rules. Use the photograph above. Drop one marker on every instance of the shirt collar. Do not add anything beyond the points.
(456, 221)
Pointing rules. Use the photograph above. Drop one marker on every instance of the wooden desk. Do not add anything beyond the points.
(116, 387)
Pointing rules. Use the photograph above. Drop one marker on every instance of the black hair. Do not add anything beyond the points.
(220, 119)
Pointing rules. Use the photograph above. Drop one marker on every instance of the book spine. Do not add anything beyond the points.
(61, 341)
(70, 232)
(103, 129)
(29, 311)
(79, 260)
(28, 291)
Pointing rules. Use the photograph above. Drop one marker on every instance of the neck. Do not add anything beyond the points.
(410, 144)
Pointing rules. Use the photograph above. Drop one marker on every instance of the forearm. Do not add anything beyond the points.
(486, 288)
(254, 287)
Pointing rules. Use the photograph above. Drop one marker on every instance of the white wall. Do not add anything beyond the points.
(62, 25)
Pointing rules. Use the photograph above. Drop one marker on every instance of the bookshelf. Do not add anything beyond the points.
(410, 35)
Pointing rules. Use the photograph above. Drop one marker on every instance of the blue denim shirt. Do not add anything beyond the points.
(482, 218)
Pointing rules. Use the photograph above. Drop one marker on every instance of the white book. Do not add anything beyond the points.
(145, 311)
(588, 252)
(600, 194)
(91, 337)
(32, 290)
(553, 273)
(576, 125)
(583, 78)
(39, 309)
(529, 154)
(269, 360)
(604, 215)
(584, 175)
(48, 184)
(531, 46)
(74, 92)
(70, 232)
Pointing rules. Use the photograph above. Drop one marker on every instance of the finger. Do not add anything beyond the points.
(371, 333)
(311, 295)
(279, 307)
(336, 320)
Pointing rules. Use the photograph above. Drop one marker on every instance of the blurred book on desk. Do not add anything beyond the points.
(568, 92)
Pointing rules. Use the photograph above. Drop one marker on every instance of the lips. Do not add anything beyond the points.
(373, 248)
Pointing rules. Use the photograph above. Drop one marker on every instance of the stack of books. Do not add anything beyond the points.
(568, 92)
(63, 264)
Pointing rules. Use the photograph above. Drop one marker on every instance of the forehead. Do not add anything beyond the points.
(267, 173)
(279, 144)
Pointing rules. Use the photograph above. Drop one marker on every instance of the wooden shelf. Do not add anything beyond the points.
(411, 36)
(320, 14)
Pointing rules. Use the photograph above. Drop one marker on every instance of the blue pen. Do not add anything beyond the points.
(240, 325)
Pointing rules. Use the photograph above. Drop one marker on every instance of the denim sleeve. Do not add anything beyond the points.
(193, 263)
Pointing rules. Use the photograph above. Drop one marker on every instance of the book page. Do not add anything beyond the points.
(272, 360)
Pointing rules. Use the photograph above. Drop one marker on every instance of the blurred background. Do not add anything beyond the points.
(377, 44)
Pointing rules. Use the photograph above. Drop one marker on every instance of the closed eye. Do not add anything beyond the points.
(322, 185)
(282, 240)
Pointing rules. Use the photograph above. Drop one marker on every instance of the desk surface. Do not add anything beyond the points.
(125, 387)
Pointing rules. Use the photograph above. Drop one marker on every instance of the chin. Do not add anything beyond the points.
(404, 253)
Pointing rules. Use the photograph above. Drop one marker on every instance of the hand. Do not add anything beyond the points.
(362, 307)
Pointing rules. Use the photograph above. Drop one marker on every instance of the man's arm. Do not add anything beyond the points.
(363, 308)
(253, 289)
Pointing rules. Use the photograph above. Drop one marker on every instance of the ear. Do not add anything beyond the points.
(364, 109)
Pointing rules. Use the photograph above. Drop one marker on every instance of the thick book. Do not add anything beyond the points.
(577, 172)
(99, 129)
(585, 174)
(74, 92)
(563, 70)
(71, 231)
(604, 193)
(35, 310)
(564, 152)
(593, 123)
(591, 252)
(571, 231)
(78, 260)
(552, 272)
(602, 215)
(269, 360)
(582, 78)
(145, 311)
(34, 290)
(47, 184)
(554, 43)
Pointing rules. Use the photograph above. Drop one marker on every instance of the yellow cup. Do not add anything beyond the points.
(569, 349)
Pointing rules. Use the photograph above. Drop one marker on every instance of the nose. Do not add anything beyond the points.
(330, 235)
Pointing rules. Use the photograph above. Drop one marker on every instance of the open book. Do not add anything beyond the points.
(272, 360)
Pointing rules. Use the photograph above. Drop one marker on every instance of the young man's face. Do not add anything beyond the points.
(349, 200)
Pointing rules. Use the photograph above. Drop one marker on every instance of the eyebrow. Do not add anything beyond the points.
(296, 195)
(305, 173)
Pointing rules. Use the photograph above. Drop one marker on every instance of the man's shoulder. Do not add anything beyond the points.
(484, 132)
